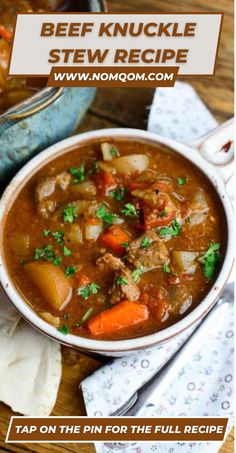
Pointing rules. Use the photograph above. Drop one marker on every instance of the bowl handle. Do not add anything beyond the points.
(217, 148)
(28, 108)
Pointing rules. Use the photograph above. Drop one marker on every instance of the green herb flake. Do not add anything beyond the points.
(210, 259)
(163, 213)
(87, 314)
(104, 215)
(166, 268)
(45, 253)
(173, 230)
(124, 244)
(77, 324)
(77, 173)
(118, 194)
(145, 242)
(64, 329)
(66, 251)
(129, 210)
(86, 291)
(181, 181)
(57, 261)
(70, 213)
(58, 235)
(137, 273)
(122, 281)
(113, 151)
(70, 270)
(189, 219)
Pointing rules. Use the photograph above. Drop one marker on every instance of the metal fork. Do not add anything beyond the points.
(162, 379)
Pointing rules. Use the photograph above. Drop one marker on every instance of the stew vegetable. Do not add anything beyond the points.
(115, 240)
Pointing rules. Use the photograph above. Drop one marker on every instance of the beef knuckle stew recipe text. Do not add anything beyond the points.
(115, 239)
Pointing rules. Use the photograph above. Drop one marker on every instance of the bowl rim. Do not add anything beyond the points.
(132, 344)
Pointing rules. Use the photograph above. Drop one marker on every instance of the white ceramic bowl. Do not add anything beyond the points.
(122, 347)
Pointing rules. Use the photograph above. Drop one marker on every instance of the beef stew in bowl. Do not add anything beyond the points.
(115, 239)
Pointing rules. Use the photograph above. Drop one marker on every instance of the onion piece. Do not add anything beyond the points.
(105, 166)
(93, 230)
(86, 189)
(185, 261)
(75, 234)
(131, 164)
(109, 151)
(53, 320)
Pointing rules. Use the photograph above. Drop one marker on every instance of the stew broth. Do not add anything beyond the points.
(115, 240)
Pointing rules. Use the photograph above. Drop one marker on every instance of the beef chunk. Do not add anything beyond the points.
(63, 180)
(151, 256)
(46, 208)
(124, 287)
(45, 188)
(110, 261)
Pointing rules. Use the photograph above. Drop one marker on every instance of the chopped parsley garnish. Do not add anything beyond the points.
(70, 270)
(77, 324)
(86, 291)
(57, 261)
(181, 181)
(113, 151)
(45, 253)
(66, 251)
(64, 329)
(166, 268)
(189, 219)
(145, 242)
(118, 194)
(210, 260)
(122, 281)
(137, 273)
(103, 214)
(70, 213)
(67, 316)
(173, 230)
(77, 173)
(58, 235)
(163, 213)
(87, 314)
(124, 244)
(129, 210)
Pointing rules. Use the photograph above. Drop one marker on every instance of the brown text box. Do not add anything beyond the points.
(108, 76)
(88, 429)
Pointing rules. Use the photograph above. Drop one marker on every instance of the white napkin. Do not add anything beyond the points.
(30, 364)
(204, 386)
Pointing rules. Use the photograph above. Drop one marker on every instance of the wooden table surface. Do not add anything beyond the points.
(129, 108)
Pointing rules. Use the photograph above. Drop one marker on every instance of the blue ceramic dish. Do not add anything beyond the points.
(43, 119)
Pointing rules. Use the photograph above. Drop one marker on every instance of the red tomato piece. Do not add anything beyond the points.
(105, 182)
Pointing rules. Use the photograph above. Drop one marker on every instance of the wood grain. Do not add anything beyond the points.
(129, 108)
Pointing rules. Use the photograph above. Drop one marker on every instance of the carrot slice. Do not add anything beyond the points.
(113, 239)
(124, 314)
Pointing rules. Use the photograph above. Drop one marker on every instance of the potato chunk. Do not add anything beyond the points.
(51, 282)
